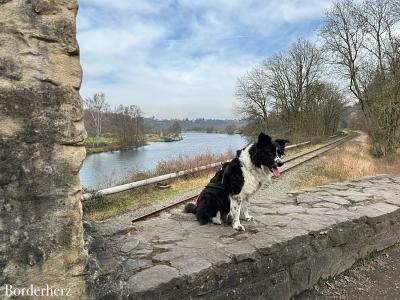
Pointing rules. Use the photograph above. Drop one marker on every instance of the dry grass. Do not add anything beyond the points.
(183, 162)
(389, 165)
(114, 205)
(350, 161)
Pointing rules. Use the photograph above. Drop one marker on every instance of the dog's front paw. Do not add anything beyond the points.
(249, 218)
(216, 221)
(238, 227)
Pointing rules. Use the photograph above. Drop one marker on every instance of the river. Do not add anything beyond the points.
(101, 168)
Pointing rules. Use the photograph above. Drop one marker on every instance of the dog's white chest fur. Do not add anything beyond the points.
(254, 178)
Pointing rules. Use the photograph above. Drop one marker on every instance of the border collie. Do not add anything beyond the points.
(256, 164)
(237, 181)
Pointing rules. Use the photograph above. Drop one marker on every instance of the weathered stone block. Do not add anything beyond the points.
(129, 245)
(41, 146)
(384, 207)
(151, 278)
(10, 69)
(190, 265)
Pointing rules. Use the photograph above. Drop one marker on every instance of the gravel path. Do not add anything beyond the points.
(375, 279)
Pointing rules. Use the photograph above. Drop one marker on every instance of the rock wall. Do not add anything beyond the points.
(296, 239)
(41, 146)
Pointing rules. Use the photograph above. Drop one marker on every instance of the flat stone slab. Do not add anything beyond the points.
(296, 239)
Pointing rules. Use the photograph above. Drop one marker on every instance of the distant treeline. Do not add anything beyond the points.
(199, 124)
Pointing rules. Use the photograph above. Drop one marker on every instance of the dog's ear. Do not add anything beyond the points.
(263, 140)
(282, 143)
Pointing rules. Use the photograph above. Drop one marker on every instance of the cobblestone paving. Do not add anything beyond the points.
(297, 238)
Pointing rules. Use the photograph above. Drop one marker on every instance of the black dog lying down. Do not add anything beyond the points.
(229, 190)
(213, 202)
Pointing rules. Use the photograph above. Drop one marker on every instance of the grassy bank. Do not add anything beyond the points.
(151, 138)
(115, 205)
(94, 141)
(95, 144)
(352, 160)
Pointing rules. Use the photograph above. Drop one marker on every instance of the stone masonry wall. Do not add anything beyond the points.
(295, 240)
(41, 145)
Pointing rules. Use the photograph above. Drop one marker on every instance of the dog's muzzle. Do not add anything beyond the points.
(275, 169)
(278, 161)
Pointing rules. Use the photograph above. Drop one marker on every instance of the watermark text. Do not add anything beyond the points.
(9, 290)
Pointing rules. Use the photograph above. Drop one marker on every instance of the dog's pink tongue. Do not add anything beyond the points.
(275, 172)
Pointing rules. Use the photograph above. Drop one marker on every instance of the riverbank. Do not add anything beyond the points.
(110, 144)
(99, 144)
(110, 148)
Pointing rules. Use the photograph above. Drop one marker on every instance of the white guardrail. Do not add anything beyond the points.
(136, 184)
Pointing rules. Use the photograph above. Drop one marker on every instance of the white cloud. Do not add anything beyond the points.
(126, 6)
(181, 58)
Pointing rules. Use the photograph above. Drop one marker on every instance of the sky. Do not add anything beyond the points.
(182, 58)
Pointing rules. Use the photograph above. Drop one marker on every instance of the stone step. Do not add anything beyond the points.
(296, 240)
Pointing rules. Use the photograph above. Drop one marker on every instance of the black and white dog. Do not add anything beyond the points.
(256, 164)
(238, 180)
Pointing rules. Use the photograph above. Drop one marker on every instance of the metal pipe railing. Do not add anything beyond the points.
(144, 182)
(298, 145)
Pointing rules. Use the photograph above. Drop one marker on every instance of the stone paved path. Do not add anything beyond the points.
(296, 239)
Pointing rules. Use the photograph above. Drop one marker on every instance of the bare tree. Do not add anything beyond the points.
(230, 128)
(97, 107)
(361, 41)
(175, 129)
(128, 125)
(287, 94)
(323, 110)
(252, 92)
(343, 37)
(291, 74)
(378, 19)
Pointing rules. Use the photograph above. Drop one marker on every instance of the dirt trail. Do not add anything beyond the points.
(376, 278)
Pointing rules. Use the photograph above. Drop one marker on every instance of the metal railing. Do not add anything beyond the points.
(153, 180)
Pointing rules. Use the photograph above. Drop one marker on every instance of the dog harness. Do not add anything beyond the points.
(212, 185)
